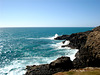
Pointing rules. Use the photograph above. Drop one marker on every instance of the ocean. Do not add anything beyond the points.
(20, 47)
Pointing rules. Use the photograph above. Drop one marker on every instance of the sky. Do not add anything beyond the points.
(49, 13)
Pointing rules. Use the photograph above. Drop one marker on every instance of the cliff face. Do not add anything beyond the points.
(88, 44)
(88, 55)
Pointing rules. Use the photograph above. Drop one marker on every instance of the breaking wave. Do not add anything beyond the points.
(17, 67)
(51, 38)
(60, 44)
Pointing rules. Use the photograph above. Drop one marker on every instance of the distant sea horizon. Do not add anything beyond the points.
(46, 27)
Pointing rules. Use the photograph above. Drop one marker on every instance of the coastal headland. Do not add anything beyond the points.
(88, 44)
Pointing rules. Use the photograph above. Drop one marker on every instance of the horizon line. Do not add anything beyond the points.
(35, 27)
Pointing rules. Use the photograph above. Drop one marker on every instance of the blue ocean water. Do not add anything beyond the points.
(20, 47)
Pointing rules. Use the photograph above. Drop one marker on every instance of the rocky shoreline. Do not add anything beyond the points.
(88, 55)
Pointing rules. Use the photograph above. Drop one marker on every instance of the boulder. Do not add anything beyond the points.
(62, 62)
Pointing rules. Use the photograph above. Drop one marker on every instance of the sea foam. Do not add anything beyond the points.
(17, 67)
(50, 38)
(60, 44)
(67, 50)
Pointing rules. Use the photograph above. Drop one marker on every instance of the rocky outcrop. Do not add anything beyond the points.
(88, 44)
(59, 65)
(76, 39)
(97, 28)
(88, 55)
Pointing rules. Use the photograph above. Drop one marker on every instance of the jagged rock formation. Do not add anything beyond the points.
(88, 44)
(76, 39)
(59, 65)
(88, 55)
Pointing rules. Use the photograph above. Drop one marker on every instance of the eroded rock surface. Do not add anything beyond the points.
(88, 44)
(89, 54)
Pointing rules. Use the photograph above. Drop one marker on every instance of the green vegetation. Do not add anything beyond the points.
(85, 71)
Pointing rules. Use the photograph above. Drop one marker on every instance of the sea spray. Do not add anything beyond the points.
(59, 45)
(50, 38)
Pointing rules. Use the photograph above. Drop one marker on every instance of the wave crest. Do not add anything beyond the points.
(51, 38)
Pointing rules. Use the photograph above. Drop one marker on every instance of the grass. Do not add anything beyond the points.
(85, 71)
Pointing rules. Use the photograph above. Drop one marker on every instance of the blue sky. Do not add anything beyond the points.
(49, 13)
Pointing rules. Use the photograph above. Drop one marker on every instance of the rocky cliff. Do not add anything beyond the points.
(88, 44)
(88, 55)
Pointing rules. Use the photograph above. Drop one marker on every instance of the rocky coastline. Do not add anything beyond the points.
(88, 55)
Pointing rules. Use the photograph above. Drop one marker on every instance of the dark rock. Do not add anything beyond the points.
(63, 37)
(89, 54)
(76, 39)
(59, 65)
(63, 63)
(38, 70)
(63, 41)
(88, 44)
(64, 46)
